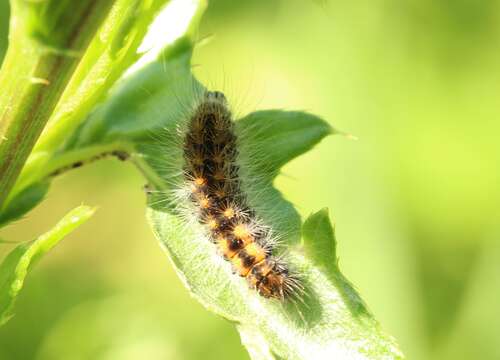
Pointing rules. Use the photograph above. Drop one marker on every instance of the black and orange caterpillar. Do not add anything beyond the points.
(212, 172)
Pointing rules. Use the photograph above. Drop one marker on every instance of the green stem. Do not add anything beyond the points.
(40, 168)
(149, 173)
(44, 39)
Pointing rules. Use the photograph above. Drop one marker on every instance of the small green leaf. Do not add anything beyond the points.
(24, 202)
(16, 265)
(318, 238)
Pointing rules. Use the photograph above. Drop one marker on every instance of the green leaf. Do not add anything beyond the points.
(24, 202)
(16, 265)
(330, 320)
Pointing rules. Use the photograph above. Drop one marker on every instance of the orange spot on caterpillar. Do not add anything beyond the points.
(241, 231)
(255, 250)
(226, 247)
(199, 181)
(229, 213)
(204, 201)
(238, 264)
(212, 223)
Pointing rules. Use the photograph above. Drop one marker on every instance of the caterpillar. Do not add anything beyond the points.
(210, 151)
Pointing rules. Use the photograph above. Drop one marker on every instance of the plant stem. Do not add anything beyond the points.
(35, 171)
(36, 70)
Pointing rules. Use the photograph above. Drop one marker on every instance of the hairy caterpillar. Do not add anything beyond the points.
(210, 150)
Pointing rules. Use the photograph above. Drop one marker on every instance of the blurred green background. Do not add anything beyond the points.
(415, 199)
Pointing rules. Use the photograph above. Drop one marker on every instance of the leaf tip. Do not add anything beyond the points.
(82, 212)
(335, 131)
(77, 216)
